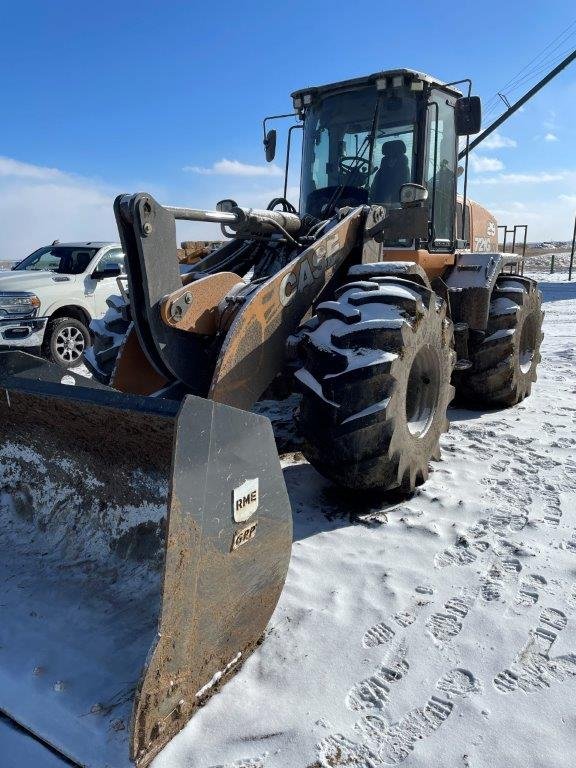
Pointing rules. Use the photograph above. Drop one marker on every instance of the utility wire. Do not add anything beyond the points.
(558, 41)
(524, 80)
(546, 58)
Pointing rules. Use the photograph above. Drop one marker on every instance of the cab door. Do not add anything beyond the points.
(101, 288)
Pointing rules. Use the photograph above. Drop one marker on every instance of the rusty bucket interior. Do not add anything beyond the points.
(133, 581)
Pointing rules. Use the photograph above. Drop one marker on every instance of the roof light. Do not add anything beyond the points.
(297, 101)
(381, 83)
(307, 99)
(397, 81)
(417, 85)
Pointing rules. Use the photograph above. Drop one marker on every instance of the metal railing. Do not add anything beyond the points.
(516, 242)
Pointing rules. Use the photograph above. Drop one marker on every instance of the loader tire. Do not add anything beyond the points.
(504, 364)
(108, 335)
(66, 342)
(376, 384)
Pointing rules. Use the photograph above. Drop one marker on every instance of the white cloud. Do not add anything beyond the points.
(226, 167)
(521, 178)
(16, 169)
(550, 137)
(548, 209)
(550, 123)
(497, 141)
(39, 205)
(482, 164)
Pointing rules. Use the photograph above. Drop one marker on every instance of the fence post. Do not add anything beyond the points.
(572, 251)
(552, 264)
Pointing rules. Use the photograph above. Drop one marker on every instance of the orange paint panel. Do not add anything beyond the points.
(434, 264)
(133, 373)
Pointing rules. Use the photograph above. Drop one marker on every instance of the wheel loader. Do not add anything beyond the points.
(146, 529)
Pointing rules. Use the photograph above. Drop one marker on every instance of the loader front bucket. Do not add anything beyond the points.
(143, 547)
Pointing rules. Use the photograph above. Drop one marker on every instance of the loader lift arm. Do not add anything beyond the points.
(236, 365)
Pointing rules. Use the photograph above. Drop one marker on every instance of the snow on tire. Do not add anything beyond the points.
(376, 384)
(504, 365)
(108, 335)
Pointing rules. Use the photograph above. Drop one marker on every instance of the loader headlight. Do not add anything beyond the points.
(18, 303)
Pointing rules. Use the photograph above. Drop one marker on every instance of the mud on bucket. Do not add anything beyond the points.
(143, 547)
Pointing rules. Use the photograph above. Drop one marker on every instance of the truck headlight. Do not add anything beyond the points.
(18, 303)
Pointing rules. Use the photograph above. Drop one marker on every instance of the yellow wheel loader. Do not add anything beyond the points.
(145, 526)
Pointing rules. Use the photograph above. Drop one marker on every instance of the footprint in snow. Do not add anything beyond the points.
(374, 691)
(570, 546)
(384, 631)
(446, 625)
(337, 750)
(392, 743)
(470, 546)
(502, 573)
(462, 553)
(552, 515)
(529, 590)
(248, 762)
(533, 669)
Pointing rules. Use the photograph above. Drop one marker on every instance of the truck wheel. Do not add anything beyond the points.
(67, 340)
(376, 384)
(504, 365)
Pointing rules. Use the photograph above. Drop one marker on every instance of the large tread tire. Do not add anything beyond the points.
(504, 364)
(108, 335)
(376, 384)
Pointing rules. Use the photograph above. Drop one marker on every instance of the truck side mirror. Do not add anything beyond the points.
(270, 145)
(107, 270)
(468, 115)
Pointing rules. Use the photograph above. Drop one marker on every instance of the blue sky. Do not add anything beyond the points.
(101, 98)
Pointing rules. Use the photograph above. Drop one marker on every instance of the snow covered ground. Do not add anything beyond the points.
(434, 631)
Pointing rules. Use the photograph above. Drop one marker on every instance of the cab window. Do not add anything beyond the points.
(440, 175)
(459, 234)
(65, 260)
(112, 258)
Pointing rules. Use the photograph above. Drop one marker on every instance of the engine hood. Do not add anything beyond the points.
(31, 281)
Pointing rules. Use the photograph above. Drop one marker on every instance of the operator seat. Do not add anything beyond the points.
(393, 172)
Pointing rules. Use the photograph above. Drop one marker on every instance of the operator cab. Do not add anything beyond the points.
(364, 139)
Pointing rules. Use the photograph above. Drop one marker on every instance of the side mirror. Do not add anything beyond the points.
(468, 115)
(108, 270)
(270, 145)
(412, 195)
(226, 206)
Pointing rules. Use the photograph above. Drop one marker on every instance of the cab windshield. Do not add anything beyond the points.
(359, 147)
(65, 260)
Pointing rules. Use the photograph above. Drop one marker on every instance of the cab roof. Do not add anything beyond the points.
(87, 244)
(408, 76)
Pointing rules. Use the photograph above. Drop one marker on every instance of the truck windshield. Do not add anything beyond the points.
(65, 260)
(359, 147)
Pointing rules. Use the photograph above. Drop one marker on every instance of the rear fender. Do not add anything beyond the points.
(470, 283)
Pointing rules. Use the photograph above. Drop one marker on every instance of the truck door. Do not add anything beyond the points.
(104, 287)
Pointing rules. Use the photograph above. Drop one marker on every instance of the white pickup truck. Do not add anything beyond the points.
(48, 300)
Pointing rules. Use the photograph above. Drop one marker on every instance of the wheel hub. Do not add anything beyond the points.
(528, 343)
(70, 344)
(422, 392)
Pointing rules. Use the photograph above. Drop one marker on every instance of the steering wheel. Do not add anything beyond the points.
(357, 165)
